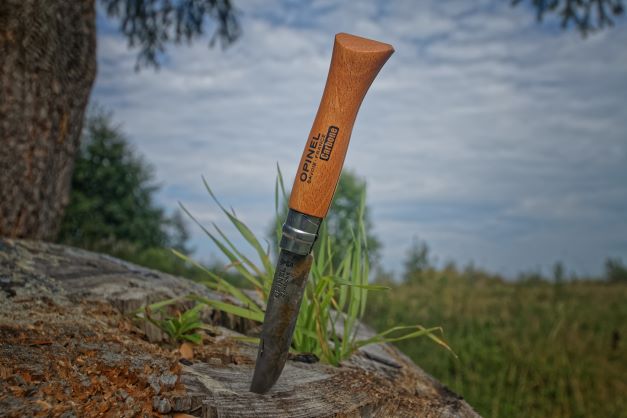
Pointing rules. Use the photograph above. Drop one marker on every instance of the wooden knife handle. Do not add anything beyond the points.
(354, 65)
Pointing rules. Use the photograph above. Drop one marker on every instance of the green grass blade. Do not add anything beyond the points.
(153, 307)
(343, 282)
(365, 287)
(237, 252)
(185, 328)
(229, 308)
(245, 339)
(281, 184)
(366, 263)
(243, 230)
(194, 338)
(232, 257)
(345, 276)
(420, 331)
(222, 283)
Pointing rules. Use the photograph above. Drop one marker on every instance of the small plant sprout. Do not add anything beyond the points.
(181, 327)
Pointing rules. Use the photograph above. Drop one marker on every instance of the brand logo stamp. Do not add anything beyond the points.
(329, 141)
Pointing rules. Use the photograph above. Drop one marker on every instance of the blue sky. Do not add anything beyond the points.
(493, 138)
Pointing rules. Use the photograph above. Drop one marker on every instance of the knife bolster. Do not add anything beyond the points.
(299, 232)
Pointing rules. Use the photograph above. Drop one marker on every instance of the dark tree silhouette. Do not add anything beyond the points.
(586, 15)
(149, 25)
(113, 195)
(47, 68)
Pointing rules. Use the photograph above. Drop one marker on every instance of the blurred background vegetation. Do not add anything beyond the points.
(112, 205)
(537, 346)
(534, 347)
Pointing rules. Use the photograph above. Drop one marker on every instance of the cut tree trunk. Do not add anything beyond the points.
(66, 347)
(47, 68)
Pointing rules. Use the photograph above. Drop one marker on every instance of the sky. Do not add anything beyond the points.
(495, 139)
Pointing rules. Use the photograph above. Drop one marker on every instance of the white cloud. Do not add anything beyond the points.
(513, 137)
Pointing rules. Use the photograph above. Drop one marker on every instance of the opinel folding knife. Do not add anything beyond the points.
(354, 65)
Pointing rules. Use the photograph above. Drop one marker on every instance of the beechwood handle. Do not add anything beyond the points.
(354, 66)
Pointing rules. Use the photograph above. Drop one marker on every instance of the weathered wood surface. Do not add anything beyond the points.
(56, 306)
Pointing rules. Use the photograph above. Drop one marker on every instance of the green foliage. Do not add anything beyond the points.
(335, 297)
(417, 261)
(165, 260)
(180, 327)
(558, 272)
(531, 277)
(347, 201)
(585, 15)
(615, 270)
(526, 349)
(112, 205)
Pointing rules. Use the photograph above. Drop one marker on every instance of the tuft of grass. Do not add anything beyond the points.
(180, 327)
(335, 298)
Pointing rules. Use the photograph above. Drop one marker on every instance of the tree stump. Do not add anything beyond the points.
(68, 348)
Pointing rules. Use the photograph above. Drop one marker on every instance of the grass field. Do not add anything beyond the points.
(526, 349)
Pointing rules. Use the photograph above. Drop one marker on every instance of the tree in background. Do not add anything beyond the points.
(112, 206)
(417, 261)
(112, 199)
(150, 24)
(48, 66)
(342, 218)
(586, 15)
(615, 270)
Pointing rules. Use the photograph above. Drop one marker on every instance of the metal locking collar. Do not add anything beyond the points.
(299, 232)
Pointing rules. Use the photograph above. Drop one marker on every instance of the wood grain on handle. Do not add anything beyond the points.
(354, 65)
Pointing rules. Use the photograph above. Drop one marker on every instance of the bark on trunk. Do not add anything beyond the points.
(47, 68)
